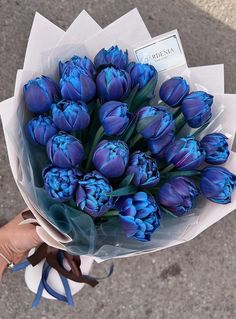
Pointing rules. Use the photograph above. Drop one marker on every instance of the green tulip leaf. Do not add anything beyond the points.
(127, 180)
(123, 191)
(145, 95)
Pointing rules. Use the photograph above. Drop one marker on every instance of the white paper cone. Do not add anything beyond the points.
(33, 276)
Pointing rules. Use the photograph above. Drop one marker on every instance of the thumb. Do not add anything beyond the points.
(34, 238)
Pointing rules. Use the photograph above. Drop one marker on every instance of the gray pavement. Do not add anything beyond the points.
(196, 280)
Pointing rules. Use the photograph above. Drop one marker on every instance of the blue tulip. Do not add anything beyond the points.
(76, 61)
(113, 84)
(178, 195)
(114, 117)
(217, 184)
(70, 116)
(185, 153)
(40, 93)
(144, 168)
(196, 108)
(91, 195)
(77, 85)
(65, 150)
(139, 215)
(60, 183)
(111, 158)
(113, 56)
(156, 125)
(141, 74)
(40, 129)
(216, 148)
(173, 91)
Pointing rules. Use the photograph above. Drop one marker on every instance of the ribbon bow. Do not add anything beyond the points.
(54, 258)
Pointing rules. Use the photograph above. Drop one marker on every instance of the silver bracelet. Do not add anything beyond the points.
(10, 263)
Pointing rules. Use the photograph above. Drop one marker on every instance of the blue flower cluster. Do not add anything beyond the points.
(109, 148)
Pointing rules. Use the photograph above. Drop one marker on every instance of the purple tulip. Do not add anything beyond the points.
(141, 74)
(65, 150)
(111, 158)
(216, 147)
(173, 91)
(113, 56)
(196, 108)
(70, 116)
(144, 168)
(139, 215)
(76, 61)
(157, 126)
(217, 184)
(114, 117)
(77, 85)
(40, 93)
(91, 195)
(40, 129)
(60, 183)
(113, 84)
(185, 153)
(177, 195)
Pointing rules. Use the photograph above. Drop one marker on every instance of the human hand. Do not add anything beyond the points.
(16, 240)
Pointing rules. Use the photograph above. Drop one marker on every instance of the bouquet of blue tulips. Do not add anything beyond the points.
(113, 164)
(116, 155)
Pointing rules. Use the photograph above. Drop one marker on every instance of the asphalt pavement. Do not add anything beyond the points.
(196, 280)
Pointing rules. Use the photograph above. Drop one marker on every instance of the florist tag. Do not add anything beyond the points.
(164, 52)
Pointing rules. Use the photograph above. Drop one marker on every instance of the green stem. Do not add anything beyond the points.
(179, 122)
(161, 103)
(112, 213)
(176, 113)
(126, 190)
(199, 130)
(180, 173)
(167, 169)
(97, 139)
(134, 140)
(126, 181)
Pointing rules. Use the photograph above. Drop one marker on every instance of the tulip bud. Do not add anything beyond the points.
(70, 116)
(185, 153)
(177, 195)
(40, 129)
(217, 184)
(40, 93)
(144, 168)
(141, 74)
(111, 158)
(65, 150)
(76, 61)
(60, 183)
(196, 108)
(139, 215)
(114, 117)
(91, 195)
(113, 84)
(173, 91)
(76, 85)
(113, 56)
(216, 148)
(157, 126)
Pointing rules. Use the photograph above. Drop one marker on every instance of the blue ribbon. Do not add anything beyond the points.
(68, 298)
